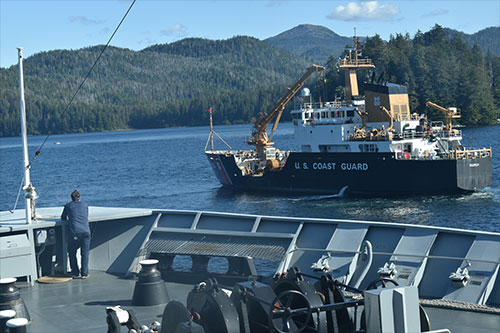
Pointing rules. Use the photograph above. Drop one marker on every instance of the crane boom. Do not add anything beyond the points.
(435, 106)
(259, 136)
(450, 113)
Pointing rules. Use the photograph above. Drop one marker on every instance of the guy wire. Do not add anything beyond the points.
(78, 89)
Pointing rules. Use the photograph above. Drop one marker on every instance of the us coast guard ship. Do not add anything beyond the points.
(372, 145)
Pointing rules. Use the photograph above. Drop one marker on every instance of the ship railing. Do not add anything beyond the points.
(421, 134)
(451, 155)
(413, 134)
(238, 153)
(220, 151)
(354, 62)
(321, 105)
(400, 256)
(472, 154)
(444, 134)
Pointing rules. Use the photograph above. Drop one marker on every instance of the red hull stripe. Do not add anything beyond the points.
(222, 171)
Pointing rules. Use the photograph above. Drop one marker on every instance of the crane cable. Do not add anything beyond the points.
(76, 92)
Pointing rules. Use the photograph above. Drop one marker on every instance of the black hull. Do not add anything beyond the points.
(359, 173)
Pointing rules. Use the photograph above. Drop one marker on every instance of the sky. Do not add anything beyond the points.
(40, 25)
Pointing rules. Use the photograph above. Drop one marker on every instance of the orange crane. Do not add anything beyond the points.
(259, 136)
(450, 113)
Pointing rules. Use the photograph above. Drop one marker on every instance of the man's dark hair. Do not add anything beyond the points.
(75, 195)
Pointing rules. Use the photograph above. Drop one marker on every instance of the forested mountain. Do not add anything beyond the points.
(313, 41)
(163, 85)
(488, 39)
(173, 84)
(434, 68)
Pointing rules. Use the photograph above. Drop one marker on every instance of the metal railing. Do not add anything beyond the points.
(393, 254)
(471, 154)
(354, 62)
(321, 105)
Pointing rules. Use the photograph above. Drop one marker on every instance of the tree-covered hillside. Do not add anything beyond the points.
(163, 85)
(173, 84)
(488, 39)
(434, 68)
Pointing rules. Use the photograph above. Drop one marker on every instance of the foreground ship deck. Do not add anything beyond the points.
(355, 251)
(79, 306)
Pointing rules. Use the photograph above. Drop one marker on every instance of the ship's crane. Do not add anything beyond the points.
(259, 136)
(450, 113)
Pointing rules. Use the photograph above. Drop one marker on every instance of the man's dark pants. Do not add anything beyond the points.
(82, 241)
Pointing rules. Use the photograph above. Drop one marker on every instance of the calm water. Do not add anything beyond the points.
(166, 168)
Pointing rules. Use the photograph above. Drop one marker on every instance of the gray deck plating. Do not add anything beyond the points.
(80, 305)
(423, 256)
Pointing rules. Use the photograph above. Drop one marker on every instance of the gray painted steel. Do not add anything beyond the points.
(423, 257)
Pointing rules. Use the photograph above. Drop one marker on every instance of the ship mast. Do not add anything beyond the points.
(30, 194)
(350, 65)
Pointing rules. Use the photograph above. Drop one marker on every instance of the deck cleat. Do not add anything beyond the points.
(322, 264)
(387, 271)
(461, 277)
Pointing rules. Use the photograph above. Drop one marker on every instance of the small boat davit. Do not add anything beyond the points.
(364, 145)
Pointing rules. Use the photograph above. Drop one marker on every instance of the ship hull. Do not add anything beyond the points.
(358, 173)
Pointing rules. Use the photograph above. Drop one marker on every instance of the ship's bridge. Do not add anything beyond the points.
(327, 113)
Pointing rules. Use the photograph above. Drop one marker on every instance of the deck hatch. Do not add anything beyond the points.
(267, 249)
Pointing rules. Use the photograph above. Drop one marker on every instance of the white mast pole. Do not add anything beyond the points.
(24, 134)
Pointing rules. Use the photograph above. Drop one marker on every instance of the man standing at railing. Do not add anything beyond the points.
(76, 215)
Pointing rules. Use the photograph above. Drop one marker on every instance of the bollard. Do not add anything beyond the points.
(5, 315)
(150, 288)
(17, 325)
(10, 299)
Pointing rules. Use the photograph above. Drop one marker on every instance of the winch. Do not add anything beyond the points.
(292, 303)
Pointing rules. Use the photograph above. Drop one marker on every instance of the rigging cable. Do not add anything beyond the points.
(77, 90)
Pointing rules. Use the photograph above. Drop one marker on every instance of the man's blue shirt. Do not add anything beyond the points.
(78, 214)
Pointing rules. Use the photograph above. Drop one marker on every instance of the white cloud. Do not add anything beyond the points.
(176, 30)
(85, 20)
(436, 12)
(365, 11)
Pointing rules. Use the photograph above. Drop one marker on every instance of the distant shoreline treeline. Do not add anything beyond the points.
(173, 84)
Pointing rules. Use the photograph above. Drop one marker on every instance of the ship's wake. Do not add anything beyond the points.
(326, 196)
